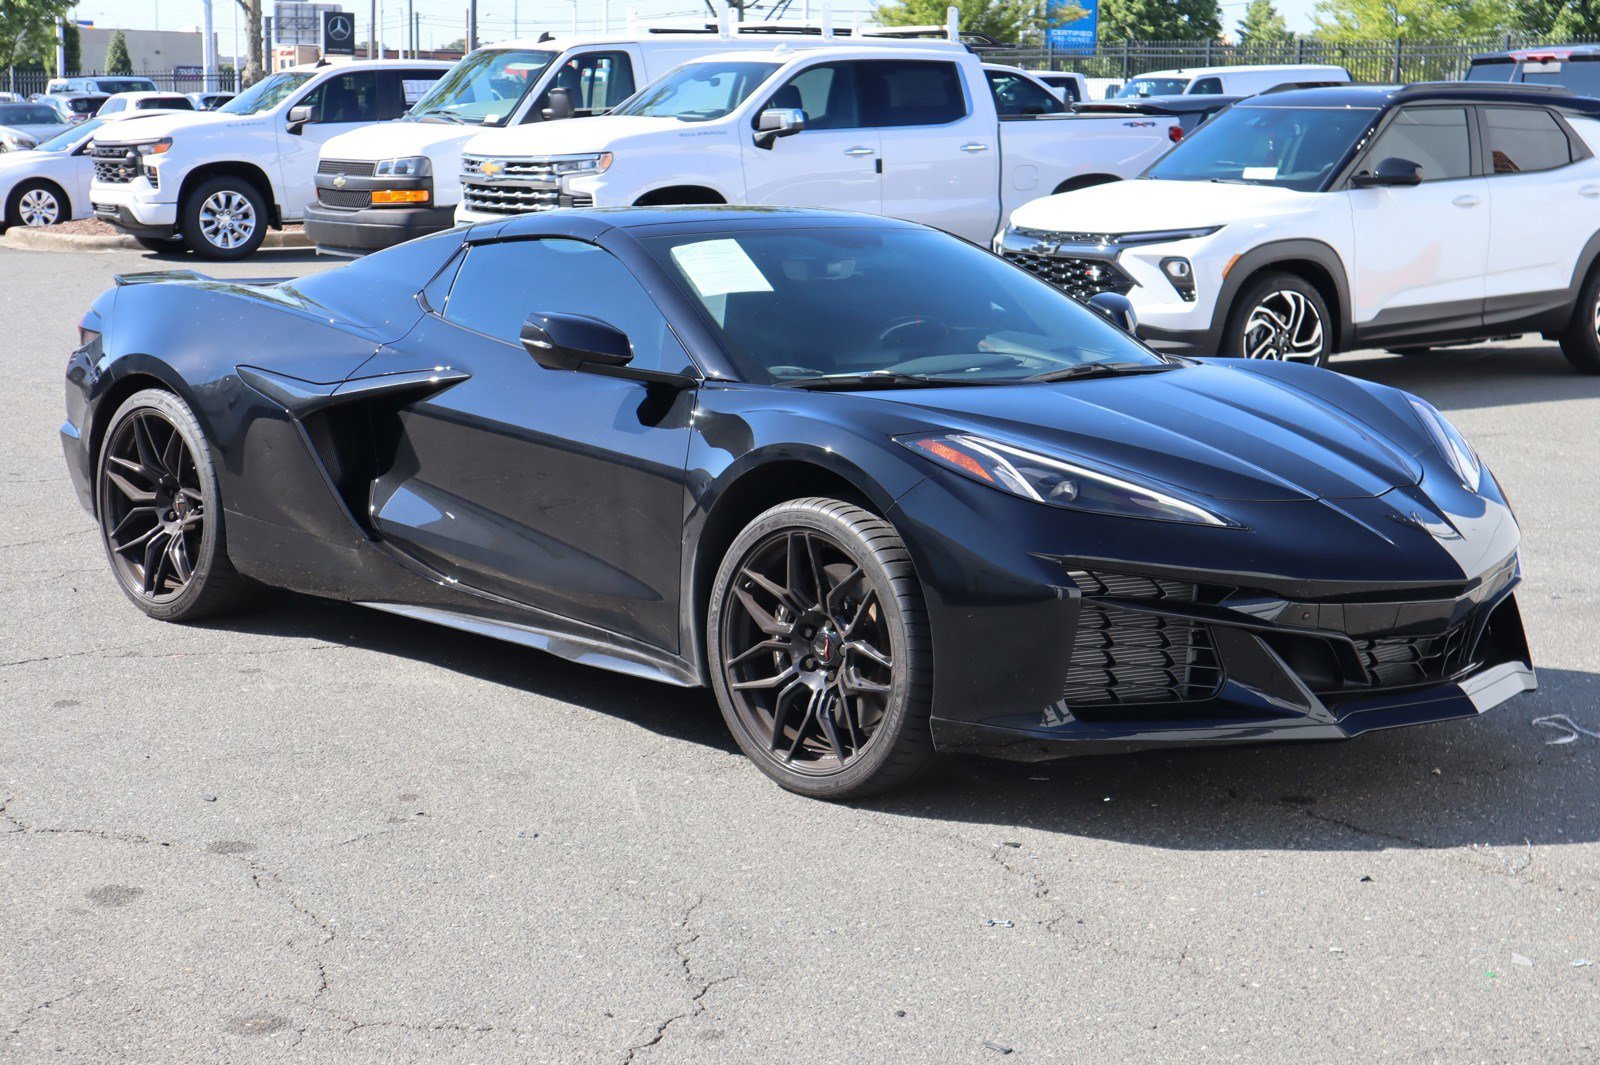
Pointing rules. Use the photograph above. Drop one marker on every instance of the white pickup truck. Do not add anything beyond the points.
(215, 181)
(910, 130)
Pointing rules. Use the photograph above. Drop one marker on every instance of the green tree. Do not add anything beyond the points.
(71, 50)
(1009, 20)
(117, 59)
(1160, 20)
(1262, 25)
(28, 31)
(1415, 20)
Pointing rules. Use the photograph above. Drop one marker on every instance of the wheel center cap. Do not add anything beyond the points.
(826, 646)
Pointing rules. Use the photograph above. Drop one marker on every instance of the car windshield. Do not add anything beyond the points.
(71, 138)
(799, 305)
(85, 105)
(265, 94)
(485, 87)
(1153, 87)
(1288, 147)
(116, 85)
(698, 92)
(29, 115)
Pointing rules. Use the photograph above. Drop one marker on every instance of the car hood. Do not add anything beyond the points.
(577, 136)
(390, 140)
(1149, 205)
(1206, 429)
(161, 124)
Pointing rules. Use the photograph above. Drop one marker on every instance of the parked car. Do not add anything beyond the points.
(1572, 66)
(11, 98)
(215, 181)
(107, 85)
(24, 126)
(909, 130)
(1190, 111)
(620, 436)
(50, 183)
(1299, 224)
(1072, 88)
(75, 107)
(209, 101)
(146, 101)
(1232, 81)
(380, 185)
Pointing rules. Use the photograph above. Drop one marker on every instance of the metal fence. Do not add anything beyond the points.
(28, 82)
(1369, 61)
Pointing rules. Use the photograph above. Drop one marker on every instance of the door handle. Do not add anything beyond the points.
(974, 147)
(1466, 201)
(858, 151)
(1590, 191)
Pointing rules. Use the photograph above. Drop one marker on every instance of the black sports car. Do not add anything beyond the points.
(887, 494)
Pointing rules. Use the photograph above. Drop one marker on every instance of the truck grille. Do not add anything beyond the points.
(535, 171)
(348, 198)
(512, 199)
(113, 165)
(1127, 657)
(1078, 278)
(353, 167)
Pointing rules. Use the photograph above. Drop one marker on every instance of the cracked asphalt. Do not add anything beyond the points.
(323, 833)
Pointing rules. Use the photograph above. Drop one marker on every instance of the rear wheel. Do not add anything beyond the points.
(1280, 316)
(37, 203)
(225, 218)
(160, 511)
(1581, 342)
(820, 654)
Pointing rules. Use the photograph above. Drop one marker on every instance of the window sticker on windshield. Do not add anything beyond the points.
(1259, 173)
(414, 88)
(491, 118)
(718, 267)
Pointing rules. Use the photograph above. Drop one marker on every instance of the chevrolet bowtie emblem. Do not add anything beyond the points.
(491, 168)
(340, 181)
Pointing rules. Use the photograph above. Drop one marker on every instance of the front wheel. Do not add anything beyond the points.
(37, 203)
(1581, 342)
(1280, 316)
(225, 218)
(820, 653)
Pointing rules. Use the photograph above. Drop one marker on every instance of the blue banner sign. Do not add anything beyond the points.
(1077, 36)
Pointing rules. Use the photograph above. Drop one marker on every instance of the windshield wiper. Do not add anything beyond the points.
(1099, 369)
(436, 112)
(840, 382)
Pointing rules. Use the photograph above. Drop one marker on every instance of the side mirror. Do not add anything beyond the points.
(299, 116)
(560, 101)
(574, 341)
(1389, 173)
(778, 122)
(1116, 309)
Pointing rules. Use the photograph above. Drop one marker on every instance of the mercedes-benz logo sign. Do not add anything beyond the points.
(340, 28)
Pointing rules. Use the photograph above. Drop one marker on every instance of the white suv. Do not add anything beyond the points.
(1298, 224)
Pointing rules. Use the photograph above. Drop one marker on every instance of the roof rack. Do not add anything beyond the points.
(1516, 88)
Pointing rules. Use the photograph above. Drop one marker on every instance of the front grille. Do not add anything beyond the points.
(1401, 661)
(1052, 237)
(530, 170)
(514, 199)
(1078, 278)
(344, 197)
(114, 165)
(353, 167)
(1124, 657)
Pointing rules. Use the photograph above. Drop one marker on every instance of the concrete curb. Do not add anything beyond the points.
(24, 238)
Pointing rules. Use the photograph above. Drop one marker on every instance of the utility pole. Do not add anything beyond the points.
(472, 25)
(238, 70)
(208, 49)
(372, 30)
(61, 48)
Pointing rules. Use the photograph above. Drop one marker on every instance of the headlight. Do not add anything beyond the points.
(1058, 482)
(1451, 444)
(582, 164)
(153, 147)
(405, 166)
(16, 142)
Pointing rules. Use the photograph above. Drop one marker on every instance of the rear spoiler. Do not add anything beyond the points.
(153, 277)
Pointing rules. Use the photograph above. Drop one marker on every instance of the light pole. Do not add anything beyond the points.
(208, 49)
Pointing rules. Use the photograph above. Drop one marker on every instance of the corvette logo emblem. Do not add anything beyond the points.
(491, 168)
(340, 182)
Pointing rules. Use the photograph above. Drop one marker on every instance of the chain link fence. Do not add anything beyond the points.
(28, 82)
(1368, 61)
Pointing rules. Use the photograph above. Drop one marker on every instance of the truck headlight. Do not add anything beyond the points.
(148, 152)
(404, 166)
(573, 165)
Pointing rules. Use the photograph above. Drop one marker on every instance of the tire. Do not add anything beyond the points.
(224, 219)
(839, 699)
(1581, 342)
(159, 509)
(163, 245)
(1263, 323)
(37, 203)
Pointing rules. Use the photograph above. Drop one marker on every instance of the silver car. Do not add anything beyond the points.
(24, 126)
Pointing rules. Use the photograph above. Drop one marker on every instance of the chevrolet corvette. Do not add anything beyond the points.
(888, 495)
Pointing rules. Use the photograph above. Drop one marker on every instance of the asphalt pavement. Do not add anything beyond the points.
(322, 833)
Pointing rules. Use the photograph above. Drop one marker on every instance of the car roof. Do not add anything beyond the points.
(147, 94)
(1377, 96)
(1264, 68)
(594, 220)
(1537, 53)
(366, 64)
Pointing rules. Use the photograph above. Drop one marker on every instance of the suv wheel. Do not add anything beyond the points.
(1280, 316)
(38, 203)
(1581, 342)
(225, 218)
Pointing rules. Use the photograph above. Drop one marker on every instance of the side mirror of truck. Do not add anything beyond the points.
(560, 101)
(778, 122)
(298, 117)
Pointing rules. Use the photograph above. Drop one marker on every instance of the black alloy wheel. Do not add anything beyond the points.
(159, 510)
(819, 650)
(1581, 341)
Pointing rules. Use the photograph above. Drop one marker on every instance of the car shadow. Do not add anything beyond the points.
(261, 259)
(1478, 375)
(1493, 781)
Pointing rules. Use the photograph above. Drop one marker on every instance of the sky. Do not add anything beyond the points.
(444, 20)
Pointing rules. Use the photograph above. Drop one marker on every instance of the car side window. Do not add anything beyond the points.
(910, 92)
(111, 107)
(351, 97)
(499, 285)
(596, 82)
(404, 88)
(1206, 87)
(1016, 95)
(1435, 138)
(826, 93)
(1069, 91)
(1523, 140)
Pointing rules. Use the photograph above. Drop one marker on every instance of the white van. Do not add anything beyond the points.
(109, 85)
(1231, 81)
